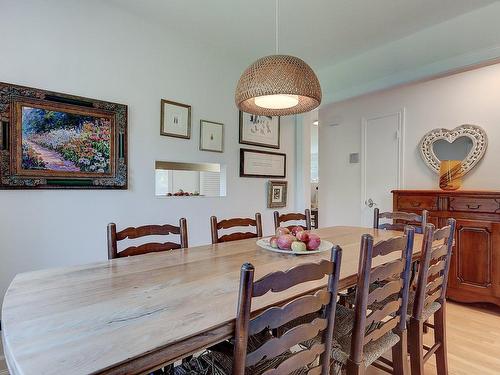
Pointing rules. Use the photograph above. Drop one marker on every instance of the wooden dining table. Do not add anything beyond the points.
(134, 315)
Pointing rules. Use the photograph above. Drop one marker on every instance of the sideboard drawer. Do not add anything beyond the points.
(417, 202)
(473, 204)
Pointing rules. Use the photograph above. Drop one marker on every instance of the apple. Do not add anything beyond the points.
(281, 231)
(302, 236)
(285, 241)
(298, 246)
(296, 230)
(314, 242)
(273, 242)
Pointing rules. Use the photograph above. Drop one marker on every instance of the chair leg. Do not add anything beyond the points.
(353, 368)
(399, 356)
(415, 346)
(440, 336)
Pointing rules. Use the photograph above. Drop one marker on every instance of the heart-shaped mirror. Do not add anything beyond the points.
(466, 143)
(456, 150)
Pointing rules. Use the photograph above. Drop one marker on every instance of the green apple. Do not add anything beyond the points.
(298, 246)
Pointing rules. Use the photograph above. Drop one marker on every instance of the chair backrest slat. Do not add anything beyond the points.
(400, 220)
(236, 236)
(442, 233)
(407, 216)
(382, 293)
(147, 230)
(386, 247)
(152, 247)
(281, 280)
(392, 316)
(378, 333)
(293, 216)
(298, 360)
(384, 271)
(316, 311)
(434, 267)
(433, 285)
(233, 223)
(276, 346)
(143, 231)
(277, 316)
(378, 315)
(439, 251)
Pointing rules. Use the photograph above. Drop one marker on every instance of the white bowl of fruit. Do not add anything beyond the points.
(294, 241)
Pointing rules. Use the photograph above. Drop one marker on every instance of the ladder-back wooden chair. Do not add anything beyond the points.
(142, 231)
(400, 220)
(216, 226)
(361, 334)
(430, 298)
(255, 351)
(295, 216)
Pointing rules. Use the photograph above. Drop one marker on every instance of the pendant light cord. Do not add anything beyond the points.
(277, 26)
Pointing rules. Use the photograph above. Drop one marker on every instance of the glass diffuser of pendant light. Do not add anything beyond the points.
(278, 85)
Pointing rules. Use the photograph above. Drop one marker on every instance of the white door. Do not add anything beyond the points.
(381, 162)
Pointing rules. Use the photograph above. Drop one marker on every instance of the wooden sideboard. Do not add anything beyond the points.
(475, 266)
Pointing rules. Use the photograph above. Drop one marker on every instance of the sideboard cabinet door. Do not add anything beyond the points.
(473, 254)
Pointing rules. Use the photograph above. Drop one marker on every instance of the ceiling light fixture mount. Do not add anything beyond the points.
(278, 85)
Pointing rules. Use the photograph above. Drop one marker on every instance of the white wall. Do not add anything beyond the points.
(91, 49)
(467, 98)
(459, 42)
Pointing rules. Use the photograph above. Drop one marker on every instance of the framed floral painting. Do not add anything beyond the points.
(52, 140)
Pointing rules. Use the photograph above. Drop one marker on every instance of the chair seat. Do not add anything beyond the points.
(342, 334)
(219, 363)
(219, 359)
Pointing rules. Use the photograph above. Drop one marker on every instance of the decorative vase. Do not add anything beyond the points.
(450, 174)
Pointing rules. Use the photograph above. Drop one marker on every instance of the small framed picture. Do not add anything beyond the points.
(175, 119)
(211, 136)
(277, 194)
(261, 131)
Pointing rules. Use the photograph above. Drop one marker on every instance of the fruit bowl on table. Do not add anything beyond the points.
(324, 246)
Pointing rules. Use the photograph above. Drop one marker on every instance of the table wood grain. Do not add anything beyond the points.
(132, 315)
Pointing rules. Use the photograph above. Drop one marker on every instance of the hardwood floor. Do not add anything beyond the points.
(473, 342)
(3, 366)
(473, 333)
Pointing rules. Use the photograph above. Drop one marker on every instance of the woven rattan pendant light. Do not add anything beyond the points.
(278, 85)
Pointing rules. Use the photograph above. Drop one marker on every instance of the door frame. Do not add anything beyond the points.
(401, 114)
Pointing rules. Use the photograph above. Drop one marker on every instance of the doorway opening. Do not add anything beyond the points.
(314, 172)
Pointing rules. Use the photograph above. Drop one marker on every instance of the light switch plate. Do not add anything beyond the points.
(354, 158)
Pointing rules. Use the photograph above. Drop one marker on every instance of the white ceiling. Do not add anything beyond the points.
(322, 32)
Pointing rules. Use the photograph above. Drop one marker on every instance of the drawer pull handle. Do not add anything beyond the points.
(415, 204)
(473, 207)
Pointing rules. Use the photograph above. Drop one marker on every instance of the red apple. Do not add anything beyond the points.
(302, 236)
(273, 242)
(281, 231)
(314, 242)
(285, 241)
(296, 230)
(298, 246)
